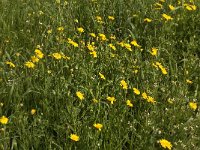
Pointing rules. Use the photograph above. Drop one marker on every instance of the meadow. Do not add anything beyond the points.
(99, 74)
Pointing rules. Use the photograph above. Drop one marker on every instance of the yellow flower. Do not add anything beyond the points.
(165, 144)
(171, 7)
(33, 111)
(80, 95)
(144, 95)
(167, 17)
(98, 126)
(190, 7)
(57, 56)
(158, 6)
(128, 103)
(189, 81)
(39, 53)
(3, 120)
(72, 42)
(49, 31)
(124, 84)
(154, 51)
(112, 46)
(193, 105)
(92, 34)
(95, 100)
(113, 37)
(111, 18)
(147, 20)
(10, 64)
(136, 91)
(74, 137)
(81, 30)
(29, 64)
(34, 59)
(60, 29)
(127, 46)
(103, 37)
(111, 99)
(134, 43)
(94, 54)
(102, 76)
(150, 99)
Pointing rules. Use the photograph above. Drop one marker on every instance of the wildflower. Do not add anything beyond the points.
(34, 59)
(144, 95)
(49, 31)
(91, 47)
(3, 120)
(102, 76)
(99, 19)
(10, 64)
(29, 64)
(190, 7)
(112, 46)
(57, 56)
(33, 111)
(81, 30)
(112, 37)
(92, 34)
(150, 99)
(147, 20)
(124, 84)
(158, 6)
(39, 53)
(154, 51)
(193, 105)
(94, 54)
(134, 43)
(80, 95)
(72, 42)
(74, 137)
(189, 81)
(128, 103)
(103, 37)
(111, 18)
(111, 99)
(136, 91)
(167, 17)
(61, 29)
(127, 46)
(171, 7)
(95, 100)
(98, 126)
(165, 144)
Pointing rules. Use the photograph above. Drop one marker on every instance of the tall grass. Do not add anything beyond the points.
(50, 87)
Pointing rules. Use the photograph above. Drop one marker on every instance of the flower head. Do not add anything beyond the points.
(3, 120)
(167, 17)
(98, 126)
(129, 103)
(165, 144)
(39, 53)
(33, 111)
(10, 64)
(124, 84)
(136, 91)
(154, 51)
(57, 56)
(81, 30)
(111, 99)
(80, 95)
(193, 105)
(74, 137)
(102, 76)
(29, 64)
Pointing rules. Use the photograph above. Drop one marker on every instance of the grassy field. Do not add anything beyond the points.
(99, 74)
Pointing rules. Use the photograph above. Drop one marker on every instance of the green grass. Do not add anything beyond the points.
(50, 87)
